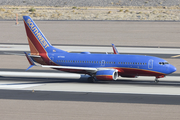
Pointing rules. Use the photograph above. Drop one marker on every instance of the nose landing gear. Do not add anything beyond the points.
(157, 77)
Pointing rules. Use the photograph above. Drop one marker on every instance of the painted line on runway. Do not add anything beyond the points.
(99, 49)
(17, 86)
(175, 56)
(41, 75)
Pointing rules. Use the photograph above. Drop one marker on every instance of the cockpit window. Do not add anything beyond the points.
(163, 63)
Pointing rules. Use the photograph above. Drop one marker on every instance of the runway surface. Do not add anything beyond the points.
(90, 97)
(97, 33)
(48, 94)
(94, 49)
(76, 83)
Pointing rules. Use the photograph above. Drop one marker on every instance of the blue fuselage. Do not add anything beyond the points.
(128, 65)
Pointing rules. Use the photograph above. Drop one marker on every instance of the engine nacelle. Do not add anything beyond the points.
(107, 75)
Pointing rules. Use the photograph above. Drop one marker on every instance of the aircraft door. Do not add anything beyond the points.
(150, 64)
(102, 62)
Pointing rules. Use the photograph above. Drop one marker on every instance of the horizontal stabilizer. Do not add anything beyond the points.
(35, 56)
(31, 62)
(29, 67)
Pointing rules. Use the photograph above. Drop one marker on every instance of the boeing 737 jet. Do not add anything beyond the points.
(97, 66)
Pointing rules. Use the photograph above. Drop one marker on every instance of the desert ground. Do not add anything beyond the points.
(163, 13)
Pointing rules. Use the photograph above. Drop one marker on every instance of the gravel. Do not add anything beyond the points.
(168, 10)
(90, 3)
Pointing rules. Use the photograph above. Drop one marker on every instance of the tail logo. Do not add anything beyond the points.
(37, 33)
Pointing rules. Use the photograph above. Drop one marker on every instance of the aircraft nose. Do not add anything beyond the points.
(172, 69)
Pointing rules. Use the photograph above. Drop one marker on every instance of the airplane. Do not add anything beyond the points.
(104, 67)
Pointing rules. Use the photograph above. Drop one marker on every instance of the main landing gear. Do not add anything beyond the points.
(156, 80)
(91, 80)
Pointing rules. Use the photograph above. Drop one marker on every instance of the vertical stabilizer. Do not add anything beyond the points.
(37, 41)
(114, 49)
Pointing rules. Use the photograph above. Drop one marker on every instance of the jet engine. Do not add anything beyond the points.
(107, 75)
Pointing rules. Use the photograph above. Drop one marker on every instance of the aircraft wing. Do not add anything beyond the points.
(70, 68)
(88, 69)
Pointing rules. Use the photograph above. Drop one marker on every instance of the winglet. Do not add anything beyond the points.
(31, 62)
(114, 49)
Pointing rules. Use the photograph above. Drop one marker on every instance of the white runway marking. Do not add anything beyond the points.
(5, 47)
(17, 86)
(40, 75)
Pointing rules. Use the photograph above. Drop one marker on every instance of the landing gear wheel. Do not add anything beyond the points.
(156, 80)
(91, 80)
